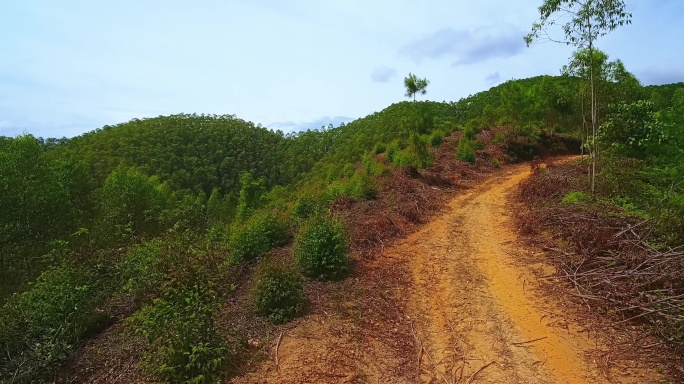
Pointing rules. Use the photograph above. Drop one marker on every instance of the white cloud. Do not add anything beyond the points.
(467, 46)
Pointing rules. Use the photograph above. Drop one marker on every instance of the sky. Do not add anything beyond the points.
(68, 67)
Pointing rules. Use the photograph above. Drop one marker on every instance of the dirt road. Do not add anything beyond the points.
(478, 316)
(472, 308)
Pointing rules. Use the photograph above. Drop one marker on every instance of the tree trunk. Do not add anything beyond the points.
(593, 152)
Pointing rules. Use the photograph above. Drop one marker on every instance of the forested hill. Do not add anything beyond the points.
(200, 152)
(194, 152)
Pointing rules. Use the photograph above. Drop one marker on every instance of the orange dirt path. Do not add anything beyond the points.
(473, 309)
(477, 316)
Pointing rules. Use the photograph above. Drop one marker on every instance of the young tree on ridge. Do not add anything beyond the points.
(587, 21)
(415, 85)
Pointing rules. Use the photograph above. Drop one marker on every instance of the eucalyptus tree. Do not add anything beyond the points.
(415, 85)
(586, 21)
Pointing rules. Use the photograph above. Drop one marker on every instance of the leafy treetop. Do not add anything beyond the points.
(415, 85)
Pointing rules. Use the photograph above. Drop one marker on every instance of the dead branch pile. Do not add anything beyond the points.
(606, 254)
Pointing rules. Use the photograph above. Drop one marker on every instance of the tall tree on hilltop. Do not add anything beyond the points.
(415, 85)
(587, 21)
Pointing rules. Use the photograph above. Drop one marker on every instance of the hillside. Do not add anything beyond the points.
(171, 248)
(200, 152)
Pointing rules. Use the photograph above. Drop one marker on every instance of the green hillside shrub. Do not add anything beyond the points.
(261, 233)
(250, 197)
(140, 269)
(184, 346)
(277, 292)
(359, 186)
(466, 149)
(417, 154)
(575, 197)
(40, 327)
(307, 206)
(321, 248)
(218, 234)
(394, 148)
(362, 186)
(374, 167)
(348, 170)
(436, 139)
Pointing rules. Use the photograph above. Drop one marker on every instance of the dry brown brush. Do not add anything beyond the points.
(606, 254)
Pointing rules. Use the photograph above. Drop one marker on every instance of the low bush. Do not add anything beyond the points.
(40, 327)
(321, 248)
(436, 139)
(307, 206)
(217, 234)
(394, 148)
(261, 233)
(184, 345)
(337, 188)
(417, 154)
(348, 170)
(140, 269)
(362, 186)
(466, 149)
(277, 292)
(359, 186)
(374, 167)
(575, 197)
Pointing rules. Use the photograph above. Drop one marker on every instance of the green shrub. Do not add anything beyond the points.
(393, 148)
(62, 296)
(403, 158)
(348, 170)
(40, 327)
(130, 204)
(337, 188)
(250, 197)
(496, 163)
(416, 155)
(259, 234)
(436, 139)
(359, 186)
(362, 186)
(277, 292)
(374, 167)
(466, 150)
(321, 248)
(379, 148)
(184, 345)
(471, 130)
(307, 206)
(575, 197)
(217, 234)
(140, 269)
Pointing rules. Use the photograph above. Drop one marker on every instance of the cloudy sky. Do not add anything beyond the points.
(68, 67)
